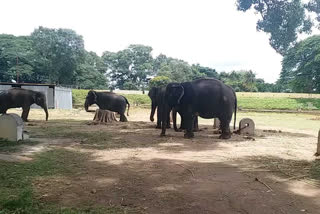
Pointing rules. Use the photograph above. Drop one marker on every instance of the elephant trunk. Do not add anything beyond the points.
(86, 106)
(45, 108)
(153, 110)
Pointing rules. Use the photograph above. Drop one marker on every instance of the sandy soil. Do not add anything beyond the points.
(266, 174)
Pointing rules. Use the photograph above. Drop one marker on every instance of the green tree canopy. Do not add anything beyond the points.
(282, 19)
(301, 66)
(90, 74)
(18, 59)
(159, 81)
(61, 50)
(240, 80)
(133, 64)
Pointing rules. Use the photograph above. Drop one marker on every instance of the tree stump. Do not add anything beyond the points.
(318, 146)
(104, 116)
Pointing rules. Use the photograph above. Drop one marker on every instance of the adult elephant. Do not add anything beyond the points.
(207, 98)
(18, 97)
(108, 101)
(157, 95)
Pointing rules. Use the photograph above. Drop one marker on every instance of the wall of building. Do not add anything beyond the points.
(59, 98)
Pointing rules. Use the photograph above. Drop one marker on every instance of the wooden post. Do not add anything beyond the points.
(318, 146)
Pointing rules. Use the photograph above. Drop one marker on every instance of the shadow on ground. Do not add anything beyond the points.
(171, 186)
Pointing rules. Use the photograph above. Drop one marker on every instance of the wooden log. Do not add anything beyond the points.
(104, 116)
(318, 146)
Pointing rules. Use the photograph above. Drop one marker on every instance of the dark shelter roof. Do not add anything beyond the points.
(26, 84)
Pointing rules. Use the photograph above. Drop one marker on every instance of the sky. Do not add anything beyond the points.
(209, 32)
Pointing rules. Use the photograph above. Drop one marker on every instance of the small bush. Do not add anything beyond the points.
(159, 81)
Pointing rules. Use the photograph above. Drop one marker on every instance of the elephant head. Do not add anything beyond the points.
(40, 99)
(174, 94)
(153, 93)
(90, 99)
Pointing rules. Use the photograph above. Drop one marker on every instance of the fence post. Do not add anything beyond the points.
(318, 146)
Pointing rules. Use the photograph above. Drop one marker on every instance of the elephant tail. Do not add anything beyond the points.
(235, 110)
(128, 105)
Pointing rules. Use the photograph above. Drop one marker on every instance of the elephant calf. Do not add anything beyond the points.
(18, 97)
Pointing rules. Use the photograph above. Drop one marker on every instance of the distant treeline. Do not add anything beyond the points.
(58, 56)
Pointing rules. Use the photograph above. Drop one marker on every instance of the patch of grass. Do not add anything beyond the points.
(273, 103)
(290, 168)
(257, 101)
(138, 99)
(17, 195)
(88, 139)
(62, 131)
(78, 97)
(102, 140)
(11, 146)
(315, 170)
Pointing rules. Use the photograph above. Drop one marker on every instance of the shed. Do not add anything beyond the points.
(57, 97)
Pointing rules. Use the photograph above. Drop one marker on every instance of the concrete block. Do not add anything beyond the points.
(246, 126)
(11, 127)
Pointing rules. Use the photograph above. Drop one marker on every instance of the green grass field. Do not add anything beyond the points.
(254, 101)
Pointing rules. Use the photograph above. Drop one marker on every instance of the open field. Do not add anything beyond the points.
(246, 100)
(69, 166)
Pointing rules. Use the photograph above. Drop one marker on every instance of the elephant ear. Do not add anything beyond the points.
(38, 97)
(153, 93)
(94, 96)
(179, 92)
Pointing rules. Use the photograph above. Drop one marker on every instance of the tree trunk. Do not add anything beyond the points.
(104, 116)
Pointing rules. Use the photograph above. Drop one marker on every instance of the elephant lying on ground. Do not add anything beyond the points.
(207, 98)
(18, 97)
(108, 101)
(156, 95)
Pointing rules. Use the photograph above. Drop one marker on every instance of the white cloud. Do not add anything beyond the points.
(212, 33)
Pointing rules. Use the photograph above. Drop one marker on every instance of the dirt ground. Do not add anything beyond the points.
(130, 165)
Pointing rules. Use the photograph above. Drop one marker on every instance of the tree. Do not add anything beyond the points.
(205, 71)
(16, 58)
(240, 80)
(283, 19)
(177, 70)
(90, 73)
(133, 64)
(61, 50)
(159, 81)
(301, 66)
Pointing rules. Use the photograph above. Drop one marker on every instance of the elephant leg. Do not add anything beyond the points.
(225, 128)
(182, 124)
(123, 118)
(189, 126)
(168, 120)
(195, 124)
(159, 117)
(174, 119)
(25, 113)
(3, 111)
